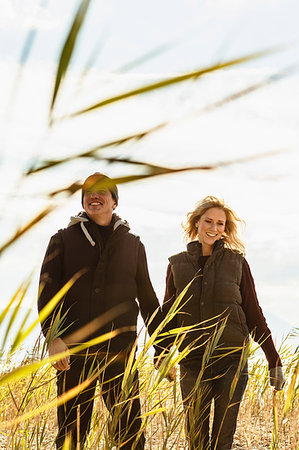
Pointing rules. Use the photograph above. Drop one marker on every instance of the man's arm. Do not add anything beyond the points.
(148, 301)
(50, 283)
(51, 280)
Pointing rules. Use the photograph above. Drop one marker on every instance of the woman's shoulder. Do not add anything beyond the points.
(234, 253)
(177, 257)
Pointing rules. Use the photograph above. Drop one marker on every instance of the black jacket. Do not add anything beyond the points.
(112, 275)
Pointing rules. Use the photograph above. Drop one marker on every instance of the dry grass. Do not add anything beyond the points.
(164, 429)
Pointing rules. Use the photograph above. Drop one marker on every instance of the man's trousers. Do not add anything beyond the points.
(122, 402)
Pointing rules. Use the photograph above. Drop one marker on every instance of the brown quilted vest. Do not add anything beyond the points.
(214, 294)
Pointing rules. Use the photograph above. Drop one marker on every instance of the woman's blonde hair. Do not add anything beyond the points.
(230, 235)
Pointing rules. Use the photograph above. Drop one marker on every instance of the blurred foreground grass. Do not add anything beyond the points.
(267, 420)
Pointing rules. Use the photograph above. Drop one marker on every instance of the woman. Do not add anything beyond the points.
(220, 308)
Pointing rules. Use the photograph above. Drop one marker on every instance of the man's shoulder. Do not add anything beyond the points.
(63, 233)
(131, 237)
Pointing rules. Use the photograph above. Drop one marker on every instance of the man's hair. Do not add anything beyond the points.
(98, 181)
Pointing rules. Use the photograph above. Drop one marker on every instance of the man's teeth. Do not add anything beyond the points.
(95, 203)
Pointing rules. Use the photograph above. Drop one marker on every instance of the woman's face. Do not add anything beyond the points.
(211, 226)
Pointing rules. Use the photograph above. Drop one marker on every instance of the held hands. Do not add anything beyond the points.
(58, 346)
(171, 374)
(277, 379)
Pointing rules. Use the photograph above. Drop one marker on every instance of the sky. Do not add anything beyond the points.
(180, 36)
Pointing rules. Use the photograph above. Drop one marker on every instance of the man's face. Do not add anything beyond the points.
(99, 205)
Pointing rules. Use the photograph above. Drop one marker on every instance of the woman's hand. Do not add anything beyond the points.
(277, 379)
(58, 346)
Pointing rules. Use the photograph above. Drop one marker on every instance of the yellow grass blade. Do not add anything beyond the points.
(15, 297)
(21, 294)
(22, 335)
(291, 392)
(22, 371)
(27, 227)
(153, 411)
(67, 442)
(54, 403)
(44, 313)
(274, 445)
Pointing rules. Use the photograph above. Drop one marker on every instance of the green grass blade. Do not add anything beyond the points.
(173, 80)
(157, 51)
(92, 58)
(154, 170)
(93, 153)
(68, 48)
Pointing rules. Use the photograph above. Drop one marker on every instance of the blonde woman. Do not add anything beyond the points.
(220, 303)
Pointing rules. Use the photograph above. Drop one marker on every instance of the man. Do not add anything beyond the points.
(112, 267)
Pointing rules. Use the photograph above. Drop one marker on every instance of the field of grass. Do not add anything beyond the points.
(267, 420)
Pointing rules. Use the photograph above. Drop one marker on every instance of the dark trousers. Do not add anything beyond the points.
(74, 416)
(222, 383)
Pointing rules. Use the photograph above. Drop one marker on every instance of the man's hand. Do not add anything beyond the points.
(171, 374)
(277, 379)
(58, 346)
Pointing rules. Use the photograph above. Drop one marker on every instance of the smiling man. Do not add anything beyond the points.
(112, 262)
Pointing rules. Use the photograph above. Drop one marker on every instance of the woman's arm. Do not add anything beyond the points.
(256, 321)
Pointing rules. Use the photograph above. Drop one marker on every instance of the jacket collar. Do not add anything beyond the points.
(194, 248)
(83, 218)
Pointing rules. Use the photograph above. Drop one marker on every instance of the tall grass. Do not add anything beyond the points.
(27, 390)
(267, 420)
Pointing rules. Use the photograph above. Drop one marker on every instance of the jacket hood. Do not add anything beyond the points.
(83, 218)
